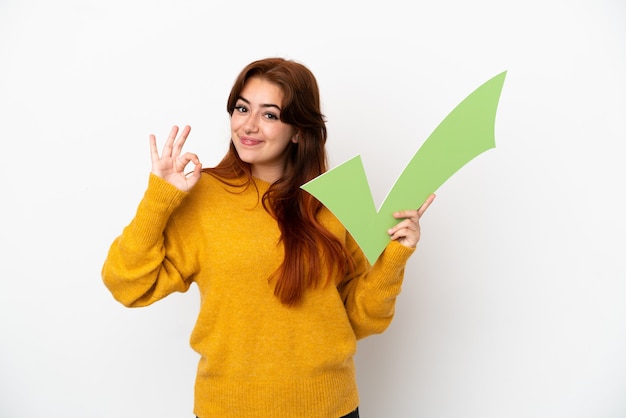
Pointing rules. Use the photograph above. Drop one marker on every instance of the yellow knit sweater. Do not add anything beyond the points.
(259, 358)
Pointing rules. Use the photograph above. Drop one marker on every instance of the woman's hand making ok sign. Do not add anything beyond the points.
(170, 165)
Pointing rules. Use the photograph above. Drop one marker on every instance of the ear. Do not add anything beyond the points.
(296, 137)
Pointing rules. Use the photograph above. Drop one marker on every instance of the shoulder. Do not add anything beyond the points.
(332, 223)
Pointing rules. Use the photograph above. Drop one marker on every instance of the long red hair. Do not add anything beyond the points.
(308, 245)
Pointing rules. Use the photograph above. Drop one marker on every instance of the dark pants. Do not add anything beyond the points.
(353, 414)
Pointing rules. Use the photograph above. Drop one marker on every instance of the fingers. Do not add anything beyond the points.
(415, 213)
(410, 213)
(169, 142)
(172, 146)
(407, 227)
(426, 204)
(403, 228)
(178, 144)
(197, 168)
(154, 153)
(407, 231)
(187, 158)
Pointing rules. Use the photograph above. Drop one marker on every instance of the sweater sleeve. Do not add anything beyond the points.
(370, 293)
(145, 263)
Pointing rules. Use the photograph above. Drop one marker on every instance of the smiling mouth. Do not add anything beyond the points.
(249, 141)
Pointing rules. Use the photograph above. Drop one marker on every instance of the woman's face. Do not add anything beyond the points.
(257, 132)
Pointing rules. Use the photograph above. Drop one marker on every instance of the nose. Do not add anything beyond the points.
(250, 125)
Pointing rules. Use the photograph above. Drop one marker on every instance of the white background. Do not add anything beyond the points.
(514, 305)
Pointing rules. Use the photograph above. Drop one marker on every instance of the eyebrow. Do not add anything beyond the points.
(262, 105)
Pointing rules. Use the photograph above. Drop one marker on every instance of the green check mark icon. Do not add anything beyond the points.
(465, 133)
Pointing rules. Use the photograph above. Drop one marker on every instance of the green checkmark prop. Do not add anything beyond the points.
(464, 134)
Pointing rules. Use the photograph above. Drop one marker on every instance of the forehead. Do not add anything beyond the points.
(260, 90)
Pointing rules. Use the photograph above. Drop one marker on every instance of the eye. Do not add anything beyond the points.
(272, 116)
(241, 108)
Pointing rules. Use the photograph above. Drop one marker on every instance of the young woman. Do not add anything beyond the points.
(285, 290)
